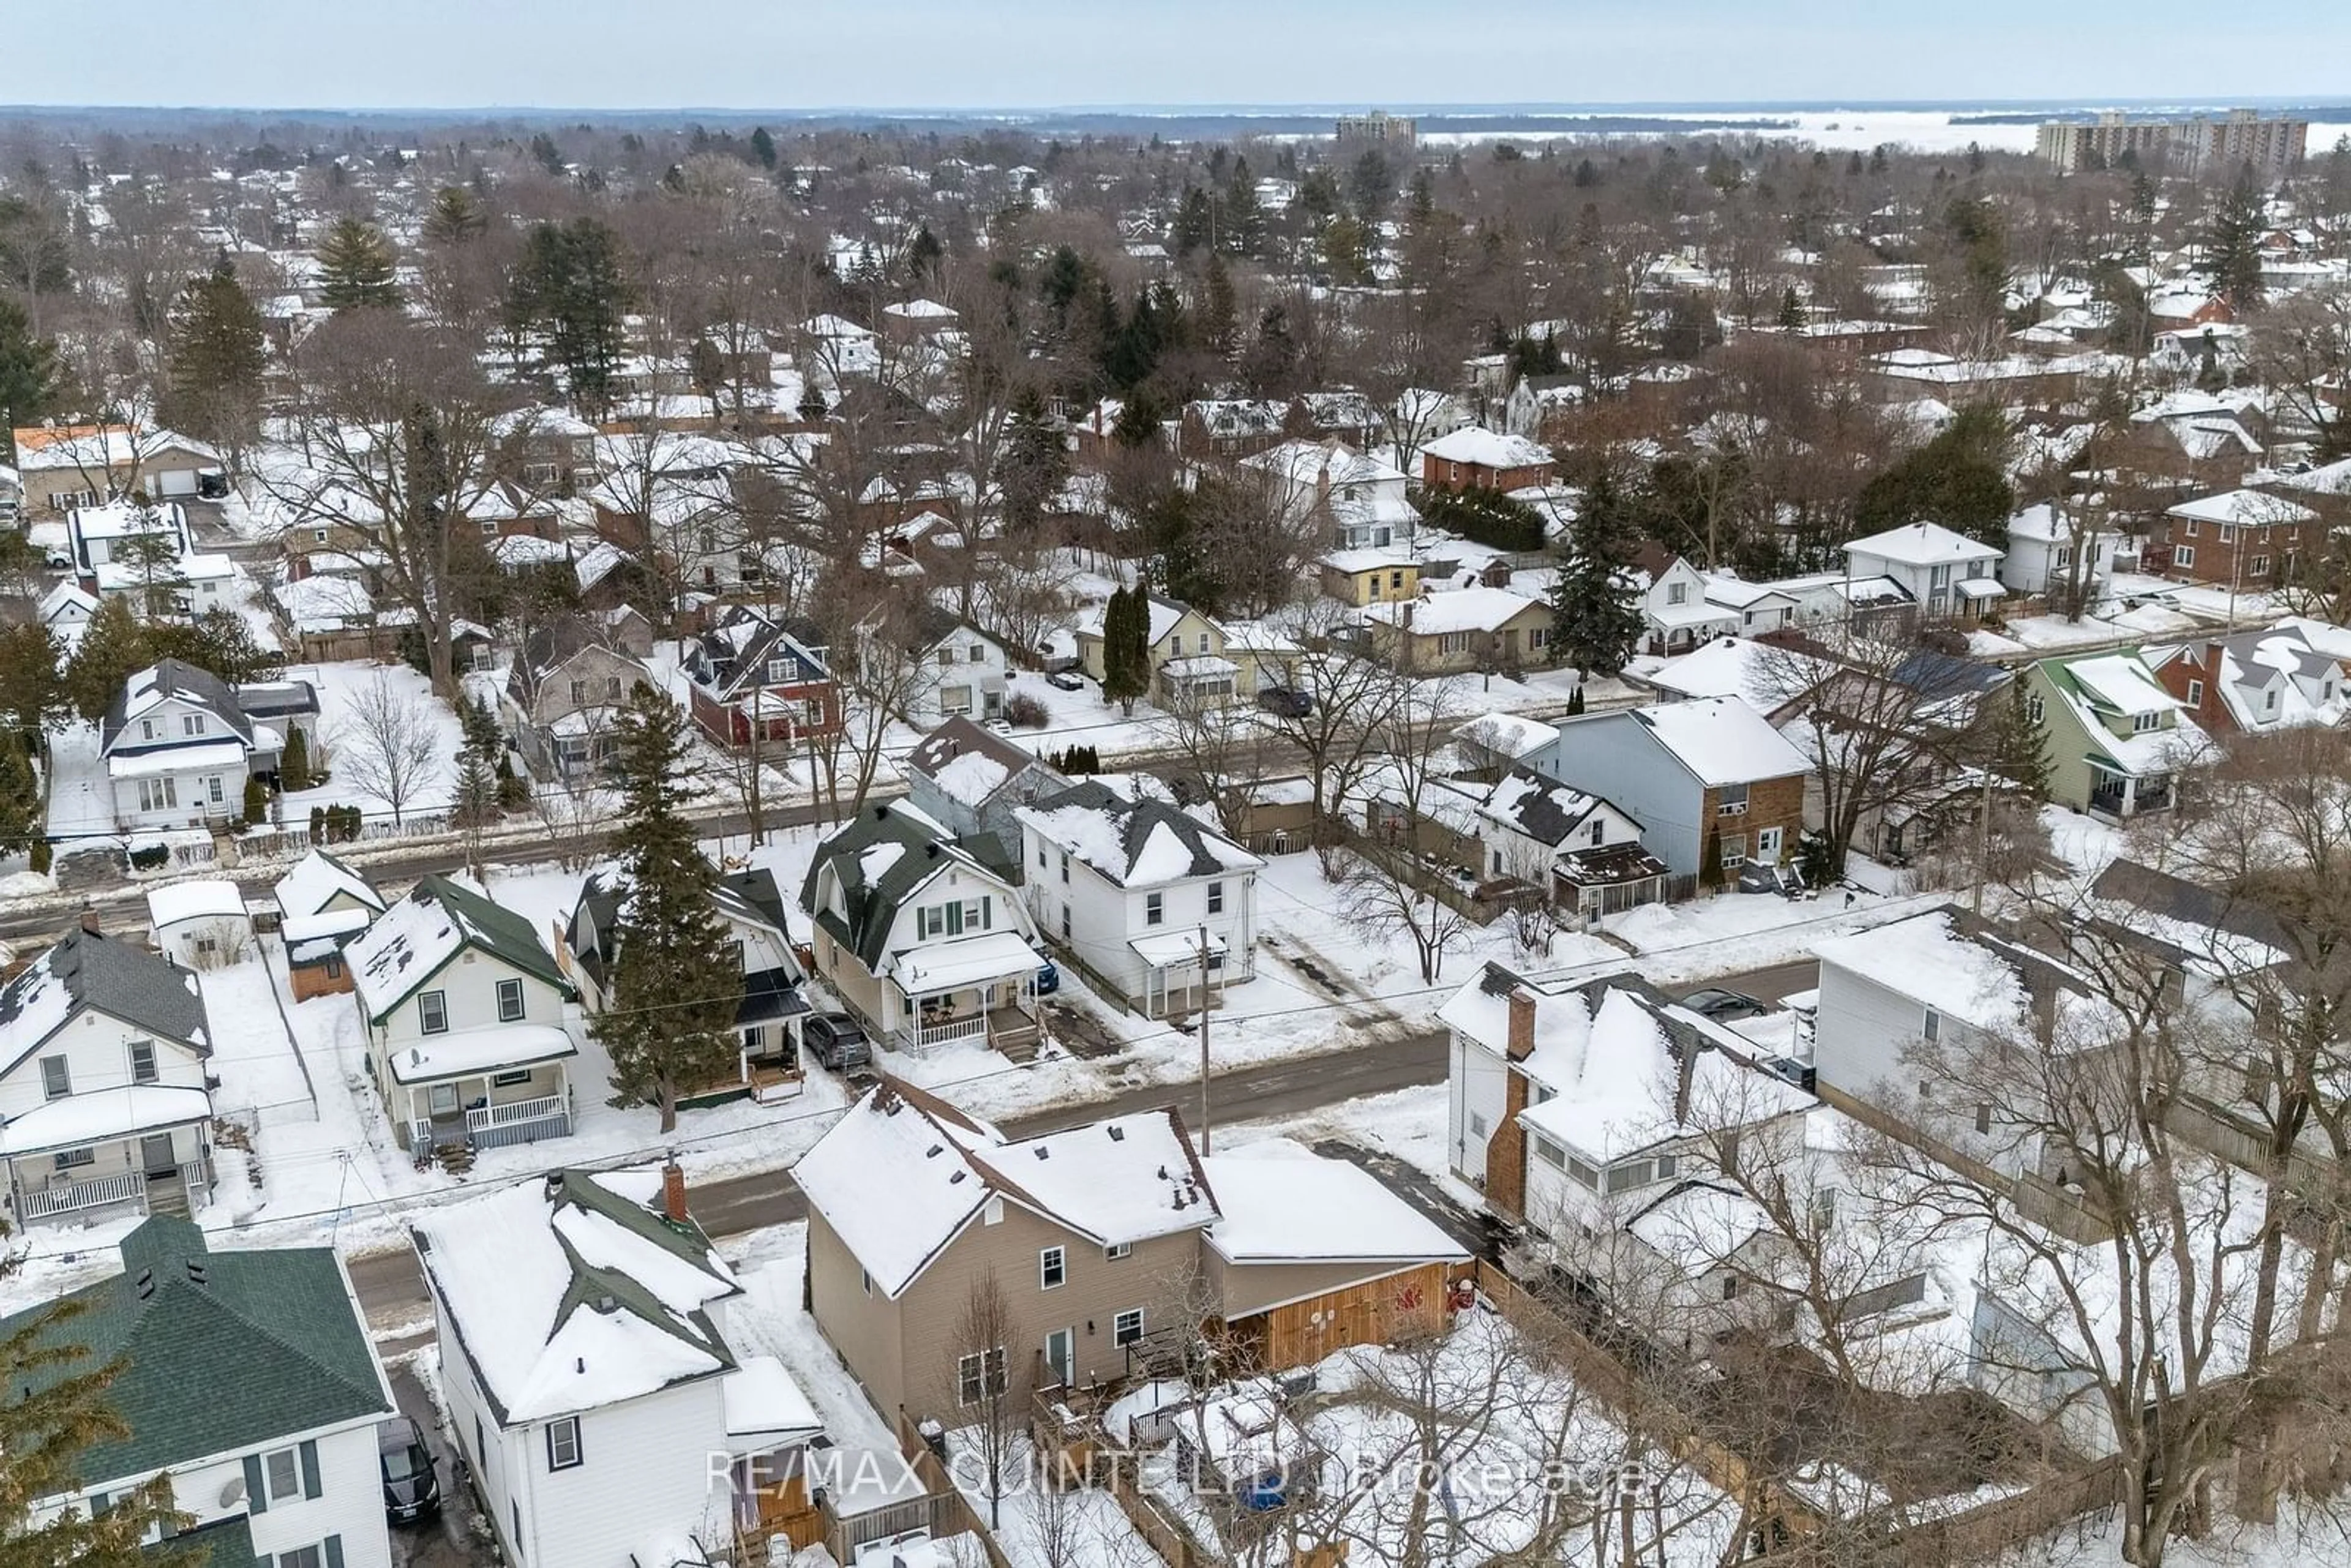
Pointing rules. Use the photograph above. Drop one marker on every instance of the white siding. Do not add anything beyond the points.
(96, 1049)
(1478, 1084)
(1103, 917)
(350, 1504)
(645, 1475)
(469, 981)
(1863, 1032)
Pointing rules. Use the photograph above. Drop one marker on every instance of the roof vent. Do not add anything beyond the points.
(958, 1176)
(1162, 1173)
(604, 1303)
(554, 1186)
(934, 1151)
(146, 1283)
(1043, 1151)
(579, 1365)
(196, 1275)
(1117, 1133)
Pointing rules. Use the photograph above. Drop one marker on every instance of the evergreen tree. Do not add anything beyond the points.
(474, 805)
(1126, 653)
(1244, 219)
(294, 765)
(923, 256)
(1958, 479)
(355, 266)
(1034, 464)
(32, 693)
(2014, 748)
(2232, 244)
(1792, 310)
(569, 284)
(215, 354)
(257, 801)
(675, 985)
(763, 147)
(455, 217)
(1709, 865)
(56, 1411)
(1218, 311)
(29, 369)
(20, 797)
(550, 156)
(112, 649)
(1595, 624)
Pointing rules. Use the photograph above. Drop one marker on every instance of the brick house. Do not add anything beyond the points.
(2241, 538)
(1707, 774)
(2253, 682)
(749, 667)
(1474, 458)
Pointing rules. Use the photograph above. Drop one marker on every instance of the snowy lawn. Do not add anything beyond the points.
(1727, 933)
(341, 686)
(81, 800)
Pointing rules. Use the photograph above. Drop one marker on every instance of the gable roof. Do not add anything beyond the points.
(1719, 741)
(222, 1351)
(440, 917)
(167, 681)
(902, 1173)
(1544, 810)
(1134, 843)
(968, 763)
(880, 858)
(1922, 544)
(738, 650)
(86, 971)
(577, 1291)
(316, 881)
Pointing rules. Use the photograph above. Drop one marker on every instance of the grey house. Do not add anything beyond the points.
(970, 782)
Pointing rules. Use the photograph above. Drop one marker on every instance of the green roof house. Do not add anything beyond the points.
(2114, 738)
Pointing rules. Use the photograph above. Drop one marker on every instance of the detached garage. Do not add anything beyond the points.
(200, 925)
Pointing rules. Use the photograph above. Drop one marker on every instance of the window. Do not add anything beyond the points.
(521, 1076)
(319, 536)
(2187, 527)
(979, 1376)
(57, 1078)
(300, 1557)
(2228, 534)
(1154, 908)
(612, 686)
(1551, 1154)
(2258, 566)
(142, 1062)
(432, 1013)
(192, 724)
(146, 729)
(1116, 1250)
(2143, 722)
(1065, 923)
(2195, 694)
(580, 691)
(1667, 1166)
(1216, 898)
(213, 790)
(509, 1001)
(1477, 1126)
(1631, 1174)
(1538, 636)
(1730, 800)
(978, 653)
(1052, 1268)
(489, 528)
(2183, 555)
(159, 794)
(282, 1473)
(1585, 1175)
(1676, 592)
(1730, 1286)
(1734, 850)
(563, 1444)
(1453, 643)
(1126, 1329)
(1065, 865)
(73, 1159)
(945, 657)
(2269, 700)
(1983, 1119)
(2036, 708)
(1931, 1028)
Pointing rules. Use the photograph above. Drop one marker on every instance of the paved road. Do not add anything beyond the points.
(1775, 983)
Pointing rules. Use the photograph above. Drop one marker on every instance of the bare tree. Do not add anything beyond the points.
(389, 745)
(1347, 705)
(985, 1332)
(1388, 888)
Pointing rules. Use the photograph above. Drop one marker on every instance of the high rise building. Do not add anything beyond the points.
(2195, 144)
(1379, 128)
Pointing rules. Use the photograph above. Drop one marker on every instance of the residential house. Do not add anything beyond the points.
(63, 466)
(321, 904)
(179, 744)
(550, 450)
(1768, 677)
(1353, 500)
(1185, 651)
(2247, 539)
(1461, 631)
(246, 1377)
(199, 923)
(1159, 904)
(1601, 1107)
(751, 908)
(1493, 743)
(109, 533)
(1577, 849)
(1231, 427)
(1676, 613)
(469, 1037)
(1273, 816)
(66, 608)
(1944, 573)
(564, 695)
(2115, 738)
(1540, 407)
(1476, 458)
(970, 780)
(2050, 555)
(2252, 682)
(1711, 777)
(104, 1093)
(1341, 413)
(1358, 578)
(593, 1381)
(754, 680)
(964, 671)
(1101, 1242)
(920, 937)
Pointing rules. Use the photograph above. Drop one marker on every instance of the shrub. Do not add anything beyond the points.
(149, 857)
(1024, 712)
(514, 793)
(294, 767)
(257, 802)
(42, 855)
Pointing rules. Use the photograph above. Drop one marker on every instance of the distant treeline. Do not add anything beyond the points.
(2330, 112)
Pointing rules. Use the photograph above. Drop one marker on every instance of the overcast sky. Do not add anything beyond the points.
(916, 54)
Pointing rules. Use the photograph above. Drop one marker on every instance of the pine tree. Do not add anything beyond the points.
(474, 803)
(20, 797)
(1709, 865)
(924, 255)
(29, 369)
(1594, 622)
(1219, 311)
(1126, 653)
(32, 692)
(2232, 244)
(257, 801)
(569, 286)
(455, 217)
(763, 147)
(356, 266)
(1244, 220)
(1792, 310)
(676, 986)
(215, 353)
(294, 766)
(2014, 748)
(112, 649)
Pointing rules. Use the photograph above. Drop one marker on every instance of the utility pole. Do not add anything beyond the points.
(1204, 1037)
(1983, 846)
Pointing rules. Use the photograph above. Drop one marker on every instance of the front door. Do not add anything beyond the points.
(1061, 1356)
(442, 1098)
(1767, 845)
(155, 1156)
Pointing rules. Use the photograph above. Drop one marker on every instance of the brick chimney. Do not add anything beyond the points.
(673, 1191)
(90, 922)
(1521, 1041)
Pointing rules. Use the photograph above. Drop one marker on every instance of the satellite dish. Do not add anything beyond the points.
(233, 1493)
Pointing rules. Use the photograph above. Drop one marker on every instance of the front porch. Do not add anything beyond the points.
(153, 1170)
(979, 990)
(2115, 796)
(1180, 973)
(486, 1110)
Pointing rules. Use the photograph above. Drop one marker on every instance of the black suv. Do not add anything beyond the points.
(836, 1041)
(411, 1486)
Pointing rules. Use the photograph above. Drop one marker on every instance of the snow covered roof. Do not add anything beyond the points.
(1460, 609)
(902, 1173)
(1134, 843)
(1949, 961)
(86, 971)
(577, 1292)
(1507, 734)
(1762, 676)
(316, 881)
(2245, 509)
(1487, 449)
(1280, 1203)
(1721, 740)
(440, 918)
(876, 863)
(103, 1116)
(1544, 810)
(206, 898)
(1921, 544)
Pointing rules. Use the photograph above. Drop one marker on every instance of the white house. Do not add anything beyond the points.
(964, 670)
(103, 1099)
(590, 1378)
(1142, 893)
(1360, 502)
(470, 1022)
(1582, 851)
(2045, 554)
(199, 925)
(1943, 573)
(179, 744)
(249, 1380)
(920, 938)
(1677, 615)
(97, 536)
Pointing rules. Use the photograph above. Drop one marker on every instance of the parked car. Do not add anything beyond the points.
(412, 1486)
(60, 560)
(1066, 681)
(837, 1040)
(1285, 702)
(1719, 1006)
(1049, 975)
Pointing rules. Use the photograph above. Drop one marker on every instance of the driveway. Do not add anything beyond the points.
(442, 1542)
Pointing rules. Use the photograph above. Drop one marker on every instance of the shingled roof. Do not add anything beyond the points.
(1134, 843)
(880, 858)
(87, 971)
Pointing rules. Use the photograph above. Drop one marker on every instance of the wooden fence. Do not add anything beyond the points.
(1176, 1545)
(1981, 1533)
(943, 1511)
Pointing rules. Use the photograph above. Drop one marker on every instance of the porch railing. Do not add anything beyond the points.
(922, 1036)
(69, 1198)
(515, 1111)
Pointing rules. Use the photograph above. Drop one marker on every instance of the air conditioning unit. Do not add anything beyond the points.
(1732, 809)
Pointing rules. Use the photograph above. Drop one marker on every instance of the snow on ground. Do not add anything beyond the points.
(1731, 931)
(1042, 1527)
(340, 686)
(81, 800)
(767, 1321)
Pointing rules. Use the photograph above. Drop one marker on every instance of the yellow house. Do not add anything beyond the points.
(1186, 652)
(1361, 577)
(1465, 630)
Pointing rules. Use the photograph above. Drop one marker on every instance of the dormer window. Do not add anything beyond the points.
(2143, 722)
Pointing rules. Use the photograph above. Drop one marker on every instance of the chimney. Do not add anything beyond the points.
(90, 922)
(1521, 1042)
(673, 1191)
